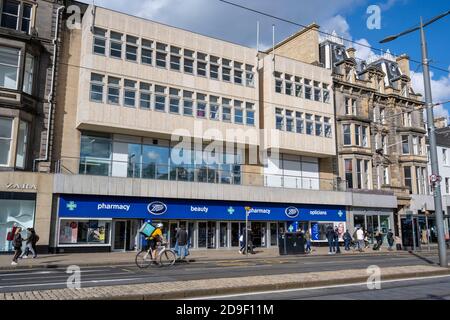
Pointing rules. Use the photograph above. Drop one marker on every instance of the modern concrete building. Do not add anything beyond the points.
(28, 46)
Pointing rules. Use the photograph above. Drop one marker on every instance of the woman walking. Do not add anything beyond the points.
(17, 244)
(30, 243)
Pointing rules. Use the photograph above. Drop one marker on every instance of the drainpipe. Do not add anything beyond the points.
(52, 87)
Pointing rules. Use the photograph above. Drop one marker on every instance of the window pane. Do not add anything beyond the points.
(22, 142)
(28, 76)
(9, 62)
(10, 14)
(146, 56)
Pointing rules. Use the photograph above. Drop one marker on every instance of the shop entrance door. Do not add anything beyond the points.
(120, 235)
(259, 234)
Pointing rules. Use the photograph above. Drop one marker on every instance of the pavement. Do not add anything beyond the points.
(121, 258)
(217, 286)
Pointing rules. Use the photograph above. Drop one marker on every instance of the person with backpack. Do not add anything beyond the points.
(390, 239)
(347, 240)
(379, 239)
(17, 244)
(182, 242)
(330, 238)
(30, 241)
(336, 240)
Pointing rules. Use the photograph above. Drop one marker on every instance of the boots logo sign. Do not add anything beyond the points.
(157, 208)
(292, 212)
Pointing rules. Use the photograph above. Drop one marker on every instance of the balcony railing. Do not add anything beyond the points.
(231, 174)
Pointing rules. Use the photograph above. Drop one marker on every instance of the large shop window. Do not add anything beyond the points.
(16, 209)
(9, 67)
(82, 232)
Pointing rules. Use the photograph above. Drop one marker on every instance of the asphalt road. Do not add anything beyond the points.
(427, 288)
(43, 279)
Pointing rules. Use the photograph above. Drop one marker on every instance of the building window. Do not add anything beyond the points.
(350, 106)
(214, 108)
(384, 144)
(226, 110)
(445, 159)
(421, 178)
(238, 73)
(326, 93)
(308, 89)
(317, 92)
(161, 55)
(405, 145)
(116, 45)
(278, 83)
(9, 67)
(174, 100)
(327, 127)
(309, 124)
(319, 126)
(226, 70)
(298, 87)
(22, 144)
(145, 95)
(349, 172)
(160, 98)
(407, 119)
(447, 185)
(188, 103)
(365, 140)
(113, 90)
(202, 64)
(131, 48)
(288, 84)
(175, 58)
(99, 41)
(250, 114)
(29, 74)
(6, 125)
(359, 173)
(383, 116)
(299, 122)
(188, 61)
(289, 121)
(408, 178)
(214, 67)
(347, 134)
(415, 141)
(147, 52)
(129, 96)
(11, 15)
(279, 119)
(84, 232)
(386, 175)
(249, 76)
(96, 94)
(201, 105)
(238, 112)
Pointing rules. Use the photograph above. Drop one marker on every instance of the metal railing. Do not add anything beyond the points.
(231, 174)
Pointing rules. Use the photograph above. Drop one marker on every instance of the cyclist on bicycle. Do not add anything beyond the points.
(156, 239)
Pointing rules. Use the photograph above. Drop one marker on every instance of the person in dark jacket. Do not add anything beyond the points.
(182, 242)
(336, 240)
(17, 244)
(249, 239)
(390, 239)
(30, 244)
(330, 238)
(347, 240)
(308, 241)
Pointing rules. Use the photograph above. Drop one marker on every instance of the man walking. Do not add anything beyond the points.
(182, 241)
(330, 238)
(17, 244)
(308, 241)
(347, 240)
(336, 240)
(390, 239)
(360, 238)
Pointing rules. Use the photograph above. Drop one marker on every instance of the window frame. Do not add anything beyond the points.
(10, 140)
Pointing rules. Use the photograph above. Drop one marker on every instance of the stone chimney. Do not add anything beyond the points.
(403, 63)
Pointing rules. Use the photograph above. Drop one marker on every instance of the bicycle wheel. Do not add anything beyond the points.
(143, 259)
(167, 258)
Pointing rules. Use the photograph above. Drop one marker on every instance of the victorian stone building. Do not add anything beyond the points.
(381, 143)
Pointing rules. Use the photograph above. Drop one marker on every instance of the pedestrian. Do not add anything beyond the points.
(360, 239)
(347, 240)
(249, 244)
(241, 242)
(308, 241)
(336, 240)
(17, 244)
(366, 239)
(182, 242)
(379, 239)
(330, 238)
(30, 243)
(10, 237)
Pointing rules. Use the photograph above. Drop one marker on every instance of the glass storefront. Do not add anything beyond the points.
(372, 222)
(17, 209)
(88, 232)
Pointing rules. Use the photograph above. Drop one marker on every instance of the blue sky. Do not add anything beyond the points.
(347, 17)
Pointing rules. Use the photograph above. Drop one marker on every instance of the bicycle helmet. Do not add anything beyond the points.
(159, 225)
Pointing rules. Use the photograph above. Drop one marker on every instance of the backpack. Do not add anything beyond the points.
(9, 236)
(36, 238)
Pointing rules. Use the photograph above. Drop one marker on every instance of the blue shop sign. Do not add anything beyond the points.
(147, 208)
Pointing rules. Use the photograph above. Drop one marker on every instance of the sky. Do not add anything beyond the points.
(347, 17)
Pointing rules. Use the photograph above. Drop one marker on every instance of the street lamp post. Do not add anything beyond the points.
(431, 134)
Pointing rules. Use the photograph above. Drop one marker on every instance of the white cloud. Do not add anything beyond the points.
(440, 89)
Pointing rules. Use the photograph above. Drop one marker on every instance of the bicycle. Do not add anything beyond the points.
(166, 257)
